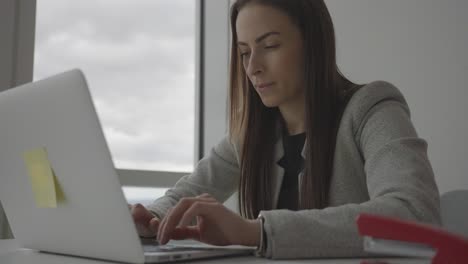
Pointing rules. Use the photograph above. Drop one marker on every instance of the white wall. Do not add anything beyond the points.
(421, 47)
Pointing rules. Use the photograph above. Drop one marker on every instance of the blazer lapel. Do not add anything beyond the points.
(278, 171)
(301, 174)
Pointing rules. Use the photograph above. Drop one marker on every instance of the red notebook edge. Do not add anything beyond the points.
(449, 247)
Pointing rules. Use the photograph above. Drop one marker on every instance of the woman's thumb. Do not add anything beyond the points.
(154, 224)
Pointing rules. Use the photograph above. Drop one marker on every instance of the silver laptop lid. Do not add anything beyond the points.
(57, 114)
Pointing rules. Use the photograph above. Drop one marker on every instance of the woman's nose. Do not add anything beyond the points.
(255, 66)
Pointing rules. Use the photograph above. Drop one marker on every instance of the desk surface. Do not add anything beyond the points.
(10, 253)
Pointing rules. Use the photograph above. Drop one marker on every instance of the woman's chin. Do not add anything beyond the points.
(269, 103)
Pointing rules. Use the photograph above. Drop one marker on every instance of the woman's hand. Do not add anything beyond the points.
(145, 222)
(216, 224)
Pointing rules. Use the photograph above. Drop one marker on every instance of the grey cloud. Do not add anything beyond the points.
(119, 19)
(138, 57)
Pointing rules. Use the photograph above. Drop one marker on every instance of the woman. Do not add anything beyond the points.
(307, 149)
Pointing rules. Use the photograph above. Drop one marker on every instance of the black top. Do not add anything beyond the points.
(292, 162)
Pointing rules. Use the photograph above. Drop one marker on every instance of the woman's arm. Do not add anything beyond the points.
(216, 174)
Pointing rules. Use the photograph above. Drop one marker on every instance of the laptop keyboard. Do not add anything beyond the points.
(161, 248)
(151, 245)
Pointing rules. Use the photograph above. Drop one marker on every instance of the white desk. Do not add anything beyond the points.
(10, 253)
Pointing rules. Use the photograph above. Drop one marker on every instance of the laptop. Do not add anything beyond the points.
(91, 218)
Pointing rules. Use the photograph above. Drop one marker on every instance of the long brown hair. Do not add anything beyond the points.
(255, 125)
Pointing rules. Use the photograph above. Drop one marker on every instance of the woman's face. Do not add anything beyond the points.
(271, 49)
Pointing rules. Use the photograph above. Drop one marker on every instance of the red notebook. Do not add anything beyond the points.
(406, 238)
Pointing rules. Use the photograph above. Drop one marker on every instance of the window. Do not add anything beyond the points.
(139, 59)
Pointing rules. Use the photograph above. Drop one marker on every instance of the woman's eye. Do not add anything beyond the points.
(271, 46)
(243, 54)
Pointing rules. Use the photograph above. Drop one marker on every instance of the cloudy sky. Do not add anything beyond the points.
(139, 59)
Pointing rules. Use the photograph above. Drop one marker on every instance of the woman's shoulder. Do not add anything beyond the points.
(228, 148)
(367, 96)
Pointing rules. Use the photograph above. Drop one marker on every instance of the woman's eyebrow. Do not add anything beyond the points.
(262, 37)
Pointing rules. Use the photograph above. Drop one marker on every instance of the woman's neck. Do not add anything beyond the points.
(294, 118)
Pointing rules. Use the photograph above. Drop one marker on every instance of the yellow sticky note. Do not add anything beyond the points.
(44, 183)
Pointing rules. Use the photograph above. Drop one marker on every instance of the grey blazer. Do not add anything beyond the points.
(380, 167)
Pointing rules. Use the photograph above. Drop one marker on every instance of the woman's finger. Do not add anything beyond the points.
(172, 219)
(140, 214)
(153, 225)
(184, 202)
(198, 209)
(191, 232)
(195, 209)
(163, 223)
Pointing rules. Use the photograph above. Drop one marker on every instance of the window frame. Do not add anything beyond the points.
(17, 29)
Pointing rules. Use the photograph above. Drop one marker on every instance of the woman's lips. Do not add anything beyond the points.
(263, 87)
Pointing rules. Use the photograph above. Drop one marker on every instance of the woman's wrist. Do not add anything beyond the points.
(253, 233)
